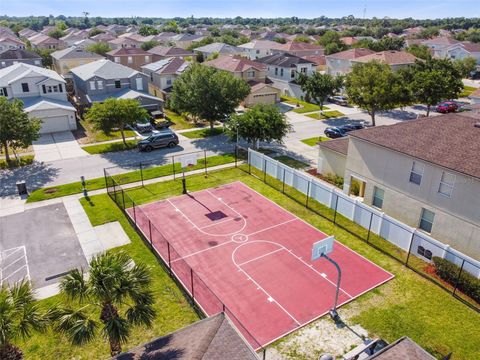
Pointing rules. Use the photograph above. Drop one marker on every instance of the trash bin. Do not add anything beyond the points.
(22, 188)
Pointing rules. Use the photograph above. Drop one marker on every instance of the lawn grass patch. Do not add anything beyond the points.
(173, 310)
(180, 122)
(93, 135)
(314, 140)
(467, 90)
(16, 162)
(203, 133)
(110, 147)
(304, 106)
(326, 115)
(289, 161)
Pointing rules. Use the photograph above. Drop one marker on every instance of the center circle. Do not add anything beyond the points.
(239, 238)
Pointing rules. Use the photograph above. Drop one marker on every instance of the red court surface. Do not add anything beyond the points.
(255, 257)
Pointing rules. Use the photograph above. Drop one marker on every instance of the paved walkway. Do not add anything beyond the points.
(57, 146)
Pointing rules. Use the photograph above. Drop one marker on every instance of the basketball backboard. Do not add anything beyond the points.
(322, 247)
(188, 160)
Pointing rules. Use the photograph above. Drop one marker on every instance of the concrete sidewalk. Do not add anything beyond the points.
(57, 146)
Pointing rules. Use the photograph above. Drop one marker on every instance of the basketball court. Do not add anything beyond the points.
(230, 245)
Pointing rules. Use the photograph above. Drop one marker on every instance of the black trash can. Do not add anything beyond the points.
(22, 188)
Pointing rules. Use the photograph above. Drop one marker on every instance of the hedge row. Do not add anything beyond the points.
(468, 284)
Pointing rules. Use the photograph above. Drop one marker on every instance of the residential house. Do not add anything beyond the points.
(320, 61)
(43, 94)
(103, 79)
(458, 51)
(254, 73)
(103, 37)
(164, 37)
(131, 57)
(45, 42)
(341, 63)
(260, 48)
(439, 45)
(300, 49)
(162, 74)
(413, 32)
(10, 43)
(215, 337)
(124, 42)
(47, 29)
(74, 36)
(163, 52)
(11, 57)
(185, 40)
(424, 173)
(219, 48)
(283, 70)
(6, 32)
(396, 59)
(66, 59)
(82, 44)
(26, 33)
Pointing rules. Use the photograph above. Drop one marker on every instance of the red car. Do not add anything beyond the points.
(447, 107)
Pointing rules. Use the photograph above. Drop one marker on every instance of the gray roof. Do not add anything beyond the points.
(74, 53)
(123, 94)
(213, 338)
(21, 70)
(284, 60)
(104, 69)
(402, 349)
(18, 54)
(40, 103)
(220, 48)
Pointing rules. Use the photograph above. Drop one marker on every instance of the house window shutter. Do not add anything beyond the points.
(60, 88)
(44, 89)
(5, 93)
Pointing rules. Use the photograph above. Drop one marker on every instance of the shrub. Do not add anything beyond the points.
(334, 180)
(467, 283)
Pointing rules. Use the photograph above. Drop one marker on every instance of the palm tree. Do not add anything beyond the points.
(115, 285)
(19, 316)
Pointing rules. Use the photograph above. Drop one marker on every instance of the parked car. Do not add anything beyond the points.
(334, 132)
(143, 127)
(157, 140)
(162, 124)
(352, 126)
(339, 100)
(447, 107)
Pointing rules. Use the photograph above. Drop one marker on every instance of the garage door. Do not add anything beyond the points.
(265, 98)
(54, 124)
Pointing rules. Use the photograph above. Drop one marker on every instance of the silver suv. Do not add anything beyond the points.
(157, 140)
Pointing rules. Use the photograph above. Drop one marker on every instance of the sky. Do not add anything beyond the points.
(418, 9)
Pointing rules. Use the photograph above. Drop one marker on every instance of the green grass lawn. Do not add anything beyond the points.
(407, 305)
(110, 147)
(294, 163)
(314, 140)
(326, 115)
(203, 133)
(180, 122)
(93, 135)
(14, 163)
(129, 177)
(467, 90)
(305, 107)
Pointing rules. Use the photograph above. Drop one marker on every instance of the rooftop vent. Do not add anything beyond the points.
(477, 125)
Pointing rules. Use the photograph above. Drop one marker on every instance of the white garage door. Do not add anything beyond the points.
(54, 124)
(264, 98)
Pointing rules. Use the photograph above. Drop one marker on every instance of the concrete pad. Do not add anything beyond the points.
(57, 146)
(112, 235)
(47, 291)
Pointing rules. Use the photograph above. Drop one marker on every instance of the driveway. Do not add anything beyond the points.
(57, 146)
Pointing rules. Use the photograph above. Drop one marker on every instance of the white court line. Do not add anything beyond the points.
(261, 256)
(271, 227)
(217, 223)
(201, 251)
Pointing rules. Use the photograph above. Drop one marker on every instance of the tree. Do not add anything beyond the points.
(207, 93)
(374, 87)
(99, 48)
(147, 45)
(435, 80)
(419, 51)
(319, 87)
(20, 316)
(466, 66)
(56, 33)
(331, 41)
(95, 31)
(116, 286)
(46, 56)
(260, 123)
(147, 30)
(17, 129)
(115, 113)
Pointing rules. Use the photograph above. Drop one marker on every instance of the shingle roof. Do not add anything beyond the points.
(40, 103)
(339, 145)
(12, 39)
(123, 94)
(170, 51)
(213, 338)
(471, 47)
(234, 63)
(402, 349)
(441, 40)
(316, 59)
(220, 48)
(22, 70)
(261, 44)
(451, 141)
(389, 58)
(74, 53)
(170, 65)
(351, 54)
(284, 60)
(131, 51)
(18, 54)
(103, 68)
(299, 46)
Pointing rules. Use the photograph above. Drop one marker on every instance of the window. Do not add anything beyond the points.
(100, 84)
(378, 197)
(25, 87)
(3, 64)
(446, 184)
(139, 83)
(276, 71)
(92, 85)
(292, 73)
(426, 220)
(38, 62)
(169, 81)
(52, 89)
(428, 254)
(147, 58)
(421, 250)
(117, 59)
(250, 74)
(417, 173)
(303, 70)
(281, 72)
(117, 84)
(3, 92)
(129, 60)
(257, 51)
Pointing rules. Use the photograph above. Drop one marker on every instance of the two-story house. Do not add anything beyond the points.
(185, 40)
(10, 43)
(11, 57)
(43, 94)
(103, 79)
(300, 49)
(74, 36)
(254, 73)
(45, 42)
(163, 52)
(341, 63)
(260, 48)
(220, 49)
(131, 57)
(283, 70)
(395, 59)
(66, 59)
(425, 173)
(162, 74)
